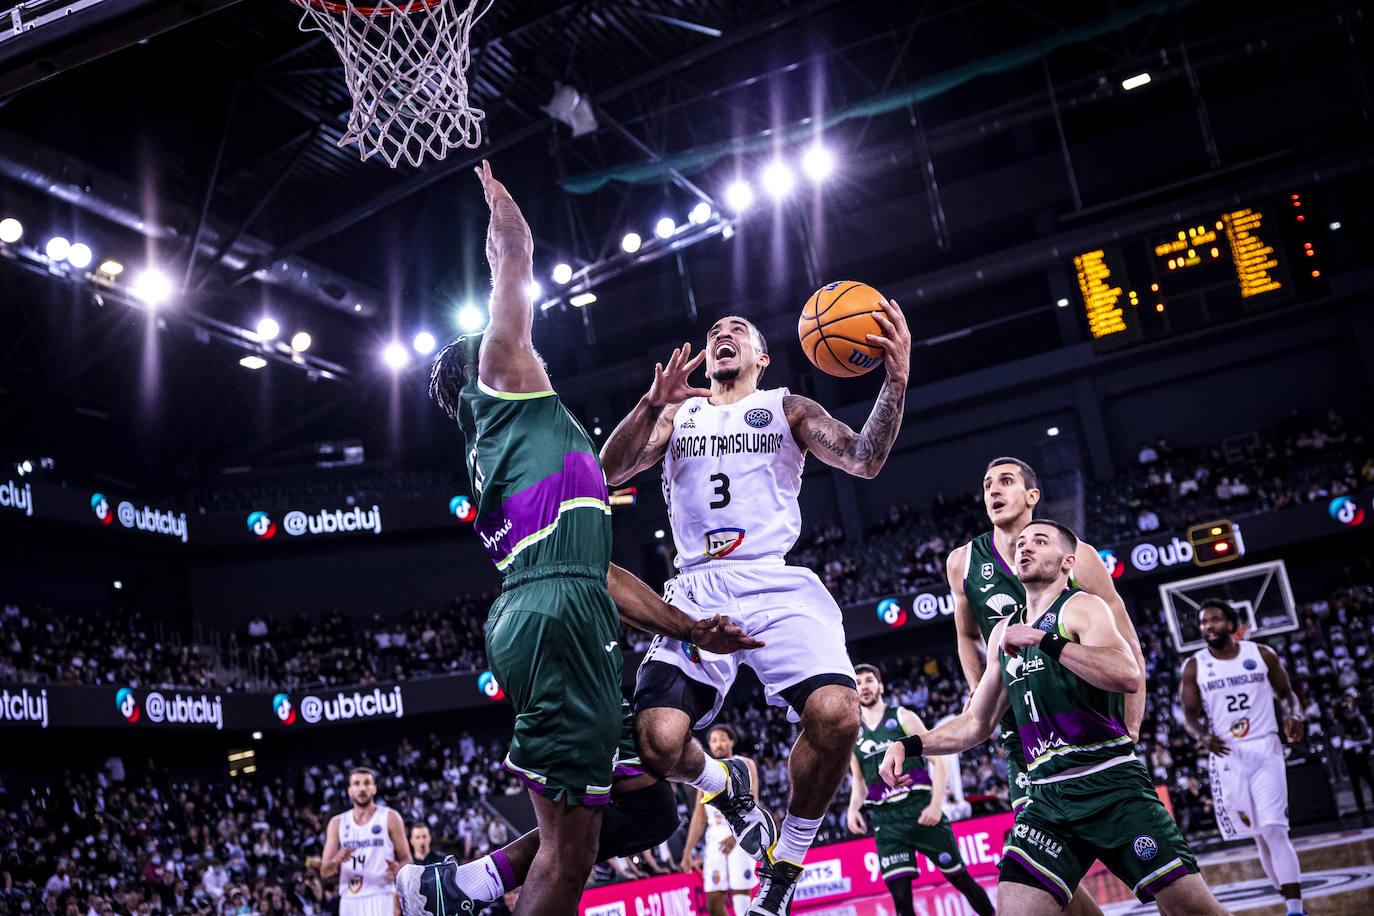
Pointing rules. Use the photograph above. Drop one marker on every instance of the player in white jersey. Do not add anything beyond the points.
(726, 870)
(366, 846)
(732, 461)
(1235, 682)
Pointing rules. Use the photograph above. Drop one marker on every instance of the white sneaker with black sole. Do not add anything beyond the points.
(752, 826)
(777, 883)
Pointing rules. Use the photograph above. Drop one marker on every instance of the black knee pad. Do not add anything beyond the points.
(638, 820)
(900, 889)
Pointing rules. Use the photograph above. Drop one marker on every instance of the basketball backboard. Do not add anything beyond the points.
(1260, 594)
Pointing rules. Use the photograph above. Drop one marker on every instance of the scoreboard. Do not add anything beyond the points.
(1232, 263)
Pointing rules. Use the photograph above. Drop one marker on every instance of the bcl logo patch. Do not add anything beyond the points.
(1145, 848)
(759, 417)
(723, 541)
(1251, 664)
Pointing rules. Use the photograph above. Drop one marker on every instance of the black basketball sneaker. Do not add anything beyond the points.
(752, 826)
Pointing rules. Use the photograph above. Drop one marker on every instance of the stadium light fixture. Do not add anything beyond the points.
(300, 341)
(562, 273)
(253, 361)
(79, 256)
(665, 228)
(470, 319)
(739, 196)
(424, 343)
(1062, 303)
(818, 162)
(1052, 431)
(777, 179)
(153, 287)
(268, 329)
(58, 248)
(700, 214)
(631, 242)
(395, 356)
(582, 299)
(111, 267)
(11, 230)
(1135, 82)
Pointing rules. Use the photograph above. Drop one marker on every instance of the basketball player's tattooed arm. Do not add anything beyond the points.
(974, 725)
(1191, 698)
(1294, 722)
(641, 439)
(968, 639)
(1092, 576)
(640, 607)
(508, 361)
(833, 442)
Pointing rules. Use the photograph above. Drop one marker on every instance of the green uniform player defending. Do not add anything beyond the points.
(1063, 667)
(908, 818)
(986, 591)
(552, 635)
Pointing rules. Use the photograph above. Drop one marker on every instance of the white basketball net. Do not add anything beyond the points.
(405, 63)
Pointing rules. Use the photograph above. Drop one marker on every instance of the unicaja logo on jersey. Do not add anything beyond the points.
(462, 508)
(759, 417)
(127, 704)
(1346, 511)
(101, 507)
(891, 613)
(486, 682)
(261, 525)
(281, 705)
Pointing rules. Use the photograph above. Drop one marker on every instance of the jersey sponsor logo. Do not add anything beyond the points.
(711, 446)
(722, 541)
(999, 606)
(987, 570)
(985, 588)
(689, 650)
(261, 524)
(486, 682)
(694, 408)
(355, 884)
(891, 613)
(759, 417)
(281, 705)
(1251, 664)
(1240, 728)
(1145, 847)
(1037, 838)
(689, 423)
(1044, 746)
(462, 508)
(890, 723)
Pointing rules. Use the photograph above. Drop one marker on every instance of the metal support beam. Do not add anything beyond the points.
(211, 182)
(1204, 120)
(937, 208)
(1063, 141)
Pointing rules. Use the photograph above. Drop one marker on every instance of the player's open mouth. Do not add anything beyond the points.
(998, 505)
(725, 350)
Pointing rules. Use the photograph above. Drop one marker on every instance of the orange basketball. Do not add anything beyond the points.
(833, 326)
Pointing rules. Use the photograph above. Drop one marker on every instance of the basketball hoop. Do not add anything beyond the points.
(405, 63)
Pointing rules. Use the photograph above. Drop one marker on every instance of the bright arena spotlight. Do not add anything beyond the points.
(11, 230)
(424, 343)
(665, 228)
(777, 179)
(739, 196)
(534, 290)
(700, 214)
(562, 273)
(300, 341)
(631, 242)
(394, 355)
(153, 287)
(79, 255)
(818, 162)
(268, 329)
(58, 248)
(470, 319)
(111, 268)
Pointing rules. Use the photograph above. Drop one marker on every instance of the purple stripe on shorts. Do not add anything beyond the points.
(624, 769)
(536, 788)
(1164, 880)
(503, 866)
(1055, 890)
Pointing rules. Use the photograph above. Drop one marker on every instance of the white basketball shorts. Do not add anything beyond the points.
(371, 905)
(786, 607)
(732, 871)
(1250, 787)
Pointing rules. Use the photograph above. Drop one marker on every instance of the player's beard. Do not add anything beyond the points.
(362, 804)
(1217, 640)
(874, 702)
(726, 375)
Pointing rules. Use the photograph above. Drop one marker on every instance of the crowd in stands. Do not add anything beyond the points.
(106, 841)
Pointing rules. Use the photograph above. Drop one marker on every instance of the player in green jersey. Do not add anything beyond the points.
(908, 818)
(552, 635)
(1063, 669)
(986, 590)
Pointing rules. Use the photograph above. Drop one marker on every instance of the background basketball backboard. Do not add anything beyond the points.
(1260, 594)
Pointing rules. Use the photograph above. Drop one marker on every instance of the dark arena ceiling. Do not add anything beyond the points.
(977, 145)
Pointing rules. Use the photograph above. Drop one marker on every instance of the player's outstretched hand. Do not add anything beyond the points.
(689, 861)
(1018, 636)
(1293, 729)
(670, 382)
(1214, 745)
(854, 820)
(891, 767)
(717, 634)
(895, 341)
(491, 188)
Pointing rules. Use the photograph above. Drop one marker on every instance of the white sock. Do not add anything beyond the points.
(797, 836)
(712, 778)
(481, 879)
(1295, 905)
(741, 902)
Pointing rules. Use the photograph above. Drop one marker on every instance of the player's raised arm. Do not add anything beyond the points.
(508, 362)
(1092, 576)
(640, 440)
(1098, 654)
(969, 641)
